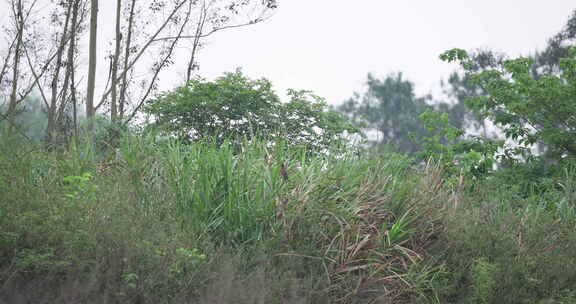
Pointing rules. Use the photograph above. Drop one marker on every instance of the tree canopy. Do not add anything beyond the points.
(235, 106)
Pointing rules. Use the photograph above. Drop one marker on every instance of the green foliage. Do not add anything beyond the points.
(234, 106)
(158, 224)
(519, 250)
(187, 261)
(459, 87)
(443, 135)
(38, 260)
(233, 196)
(400, 229)
(231, 105)
(529, 110)
(79, 185)
(483, 281)
(156, 221)
(306, 121)
(474, 157)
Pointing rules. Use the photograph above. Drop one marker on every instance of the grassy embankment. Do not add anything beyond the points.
(169, 223)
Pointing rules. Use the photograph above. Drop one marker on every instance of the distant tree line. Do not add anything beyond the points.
(389, 109)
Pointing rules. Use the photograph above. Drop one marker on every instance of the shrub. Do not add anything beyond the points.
(234, 106)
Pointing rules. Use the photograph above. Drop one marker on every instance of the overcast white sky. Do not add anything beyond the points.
(329, 46)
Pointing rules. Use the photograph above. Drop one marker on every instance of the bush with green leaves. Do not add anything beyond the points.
(500, 247)
(530, 110)
(234, 106)
(473, 156)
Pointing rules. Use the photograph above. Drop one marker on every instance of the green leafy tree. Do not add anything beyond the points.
(529, 109)
(391, 108)
(230, 105)
(458, 88)
(531, 100)
(234, 106)
(472, 156)
(306, 121)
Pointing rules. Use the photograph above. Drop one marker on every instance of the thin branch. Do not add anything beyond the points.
(124, 83)
(152, 39)
(19, 23)
(13, 124)
(37, 77)
(114, 67)
(5, 64)
(56, 77)
(196, 43)
(211, 32)
(162, 64)
(27, 91)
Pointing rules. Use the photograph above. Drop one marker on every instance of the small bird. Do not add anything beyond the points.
(283, 172)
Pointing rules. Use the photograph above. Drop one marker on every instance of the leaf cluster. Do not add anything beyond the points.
(475, 156)
(234, 106)
(529, 110)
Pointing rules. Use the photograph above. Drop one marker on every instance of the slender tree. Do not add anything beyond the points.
(18, 15)
(90, 109)
(114, 67)
(43, 52)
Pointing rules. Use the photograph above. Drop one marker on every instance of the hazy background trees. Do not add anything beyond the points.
(390, 108)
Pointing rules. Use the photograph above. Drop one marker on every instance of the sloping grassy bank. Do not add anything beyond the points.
(162, 222)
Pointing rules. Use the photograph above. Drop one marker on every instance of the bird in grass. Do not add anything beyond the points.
(283, 172)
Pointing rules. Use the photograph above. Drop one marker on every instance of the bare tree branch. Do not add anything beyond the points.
(211, 32)
(52, 113)
(161, 65)
(19, 23)
(5, 64)
(124, 83)
(37, 77)
(114, 70)
(196, 43)
(69, 76)
(148, 43)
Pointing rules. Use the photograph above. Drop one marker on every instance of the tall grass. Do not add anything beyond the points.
(158, 221)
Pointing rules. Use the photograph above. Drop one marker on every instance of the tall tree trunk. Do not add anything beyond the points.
(90, 110)
(71, 65)
(114, 118)
(13, 102)
(150, 41)
(53, 114)
(124, 83)
(196, 43)
(69, 74)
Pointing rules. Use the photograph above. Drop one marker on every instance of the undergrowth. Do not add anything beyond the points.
(157, 221)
